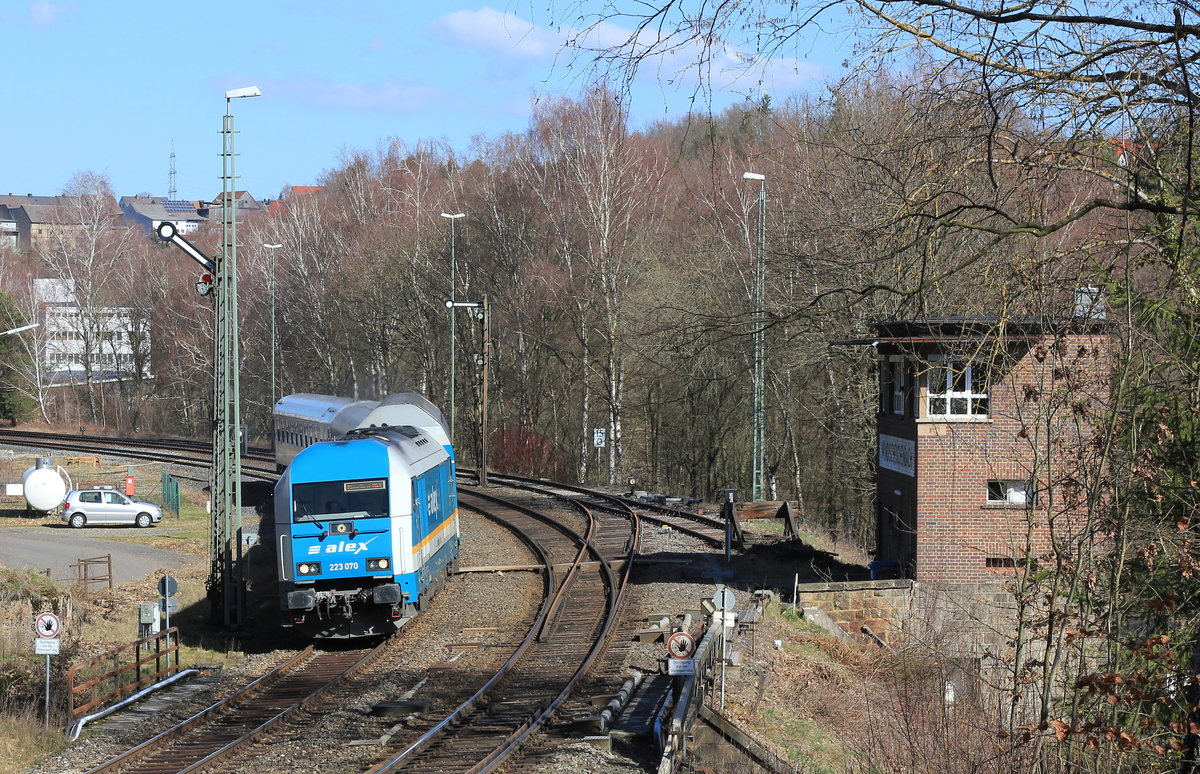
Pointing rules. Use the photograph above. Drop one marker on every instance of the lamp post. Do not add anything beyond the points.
(225, 575)
(274, 394)
(760, 342)
(483, 312)
(18, 330)
(453, 265)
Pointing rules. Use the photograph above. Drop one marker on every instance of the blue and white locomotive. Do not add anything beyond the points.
(366, 513)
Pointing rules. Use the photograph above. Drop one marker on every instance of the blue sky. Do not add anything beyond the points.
(112, 87)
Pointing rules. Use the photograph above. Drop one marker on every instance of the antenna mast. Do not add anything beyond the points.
(171, 175)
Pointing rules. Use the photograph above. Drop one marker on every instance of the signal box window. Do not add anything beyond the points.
(956, 388)
(1009, 493)
(896, 388)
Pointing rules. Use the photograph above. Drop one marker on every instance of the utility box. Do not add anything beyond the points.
(148, 618)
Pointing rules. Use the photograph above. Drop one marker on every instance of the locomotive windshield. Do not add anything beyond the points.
(340, 499)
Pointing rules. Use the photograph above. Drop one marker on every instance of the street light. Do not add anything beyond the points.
(226, 559)
(18, 330)
(272, 248)
(760, 343)
(484, 313)
(453, 264)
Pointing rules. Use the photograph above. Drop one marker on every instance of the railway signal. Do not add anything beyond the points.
(226, 562)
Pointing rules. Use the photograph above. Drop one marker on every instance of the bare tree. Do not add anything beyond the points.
(84, 249)
(598, 186)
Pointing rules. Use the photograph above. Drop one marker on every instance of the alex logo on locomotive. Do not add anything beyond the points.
(348, 547)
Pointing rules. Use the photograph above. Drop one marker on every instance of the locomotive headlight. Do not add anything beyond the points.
(378, 564)
(308, 568)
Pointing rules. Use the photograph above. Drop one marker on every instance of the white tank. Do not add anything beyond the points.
(45, 489)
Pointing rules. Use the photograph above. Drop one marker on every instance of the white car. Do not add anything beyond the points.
(105, 505)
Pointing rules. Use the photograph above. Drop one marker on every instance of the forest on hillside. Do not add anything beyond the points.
(619, 267)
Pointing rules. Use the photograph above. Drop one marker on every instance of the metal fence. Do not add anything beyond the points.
(93, 570)
(122, 672)
(170, 494)
(673, 731)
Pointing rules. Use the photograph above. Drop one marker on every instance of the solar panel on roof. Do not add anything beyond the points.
(178, 206)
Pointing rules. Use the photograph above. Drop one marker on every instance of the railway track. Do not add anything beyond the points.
(586, 558)
(705, 528)
(256, 461)
(584, 593)
(214, 734)
(488, 726)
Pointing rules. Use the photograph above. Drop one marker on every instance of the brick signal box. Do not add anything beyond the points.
(984, 431)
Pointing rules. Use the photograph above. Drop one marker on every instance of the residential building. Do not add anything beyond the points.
(149, 211)
(243, 203)
(29, 222)
(291, 194)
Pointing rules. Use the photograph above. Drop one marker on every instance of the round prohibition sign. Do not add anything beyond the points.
(47, 625)
(681, 645)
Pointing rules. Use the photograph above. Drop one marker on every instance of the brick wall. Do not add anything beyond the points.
(1038, 430)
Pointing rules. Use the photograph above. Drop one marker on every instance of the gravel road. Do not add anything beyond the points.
(56, 548)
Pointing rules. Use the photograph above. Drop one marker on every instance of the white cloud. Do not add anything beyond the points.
(501, 34)
(685, 64)
(675, 66)
(43, 14)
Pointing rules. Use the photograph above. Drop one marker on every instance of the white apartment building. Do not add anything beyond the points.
(69, 332)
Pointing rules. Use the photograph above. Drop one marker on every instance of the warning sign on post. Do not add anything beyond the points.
(47, 625)
(678, 667)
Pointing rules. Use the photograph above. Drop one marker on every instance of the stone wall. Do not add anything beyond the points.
(971, 619)
(882, 606)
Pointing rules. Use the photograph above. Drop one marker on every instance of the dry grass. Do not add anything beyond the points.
(24, 741)
(832, 707)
